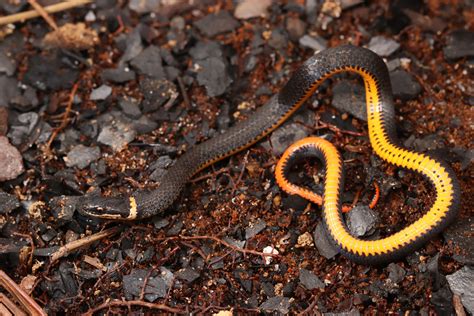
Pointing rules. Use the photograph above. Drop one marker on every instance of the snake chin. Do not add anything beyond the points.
(106, 207)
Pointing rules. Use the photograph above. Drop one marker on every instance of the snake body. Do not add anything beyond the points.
(299, 88)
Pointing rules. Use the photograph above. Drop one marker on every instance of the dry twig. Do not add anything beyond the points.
(41, 11)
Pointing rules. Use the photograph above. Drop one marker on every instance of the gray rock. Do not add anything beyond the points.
(144, 125)
(129, 107)
(26, 123)
(144, 6)
(8, 202)
(120, 74)
(188, 274)
(156, 287)
(322, 241)
(278, 39)
(203, 50)
(156, 93)
(248, 9)
(277, 304)
(48, 72)
(315, 43)
(237, 243)
(8, 90)
(7, 64)
(350, 97)
(396, 273)
(116, 133)
(462, 283)
(101, 93)
(295, 27)
(26, 101)
(361, 220)
(459, 44)
(10, 160)
(255, 228)
(287, 135)
(461, 234)
(383, 46)
(149, 63)
(309, 280)
(216, 23)
(160, 223)
(81, 156)
(133, 46)
(404, 86)
(442, 301)
(214, 76)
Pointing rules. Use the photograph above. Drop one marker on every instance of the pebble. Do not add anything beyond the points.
(7, 64)
(81, 156)
(120, 74)
(216, 23)
(459, 44)
(277, 304)
(383, 46)
(156, 286)
(278, 39)
(130, 107)
(203, 50)
(248, 9)
(144, 125)
(323, 242)
(116, 133)
(187, 274)
(310, 281)
(214, 75)
(149, 63)
(315, 43)
(101, 93)
(286, 135)
(8, 202)
(395, 273)
(255, 228)
(462, 283)
(461, 234)
(8, 90)
(144, 6)
(10, 160)
(404, 86)
(361, 220)
(156, 93)
(23, 127)
(26, 101)
(132, 46)
(48, 72)
(295, 27)
(349, 97)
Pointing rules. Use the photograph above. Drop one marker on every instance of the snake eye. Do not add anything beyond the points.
(105, 207)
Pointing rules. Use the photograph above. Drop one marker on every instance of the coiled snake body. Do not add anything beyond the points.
(382, 134)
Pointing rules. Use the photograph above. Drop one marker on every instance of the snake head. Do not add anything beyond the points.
(119, 208)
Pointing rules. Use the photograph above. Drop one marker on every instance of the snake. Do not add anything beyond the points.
(383, 139)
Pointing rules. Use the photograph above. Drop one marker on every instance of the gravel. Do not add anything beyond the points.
(404, 85)
(149, 63)
(101, 93)
(361, 220)
(82, 156)
(383, 46)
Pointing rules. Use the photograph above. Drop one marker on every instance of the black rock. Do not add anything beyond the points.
(148, 63)
(49, 73)
(442, 301)
(188, 274)
(214, 75)
(8, 202)
(118, 75)
(49, 235)
(132, 46)
(144, 125)
(156, 287)
(81, 156)
(350, 97)
(130, 107)
(156, 93)
(322, 241)
(461, 283)
(203, 50)
(404, 86)
(396, 273)
(255, 228)
(361, 220)
(459, 44)
(277, 304)
(216, 23)
(8, 90)
(27, 101)
(309, 280)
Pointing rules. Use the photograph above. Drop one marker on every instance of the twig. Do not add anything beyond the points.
(43, 14)
(129, 304)
(183, 92)
(210, 175)
(19, 294)
(22, 16)
(74, 245)
(65, 116)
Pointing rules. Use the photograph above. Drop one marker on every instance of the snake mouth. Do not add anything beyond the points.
(106, 208)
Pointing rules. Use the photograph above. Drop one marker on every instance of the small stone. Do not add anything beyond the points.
(188, 274)
(118, 75)
(144, 6)
(216, 23)
(248, 9)
(90, 17)
(325, 245)
(7, 64)
(116, 134)
(144, 125)
(8, 202)
(361, 220)
(309, 280)
(157, 93)
(149, 63)
(286, 135)
(133, 46)
(462, 283)
(214, 76)
(383, 46)
(10, 160)
(49, 72)
(396, 273)
(304, 240)
(350, 97)
(81, 156)
(203, 50)
(277, 304)
(156, 286)
(317, 44)
(49, 235)
(8, 90)
(129, 107)
(459, 44)
(278, 39)
(295, 27)
(404, 86)
(255, 228)
(160, 223)
(101, 93)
